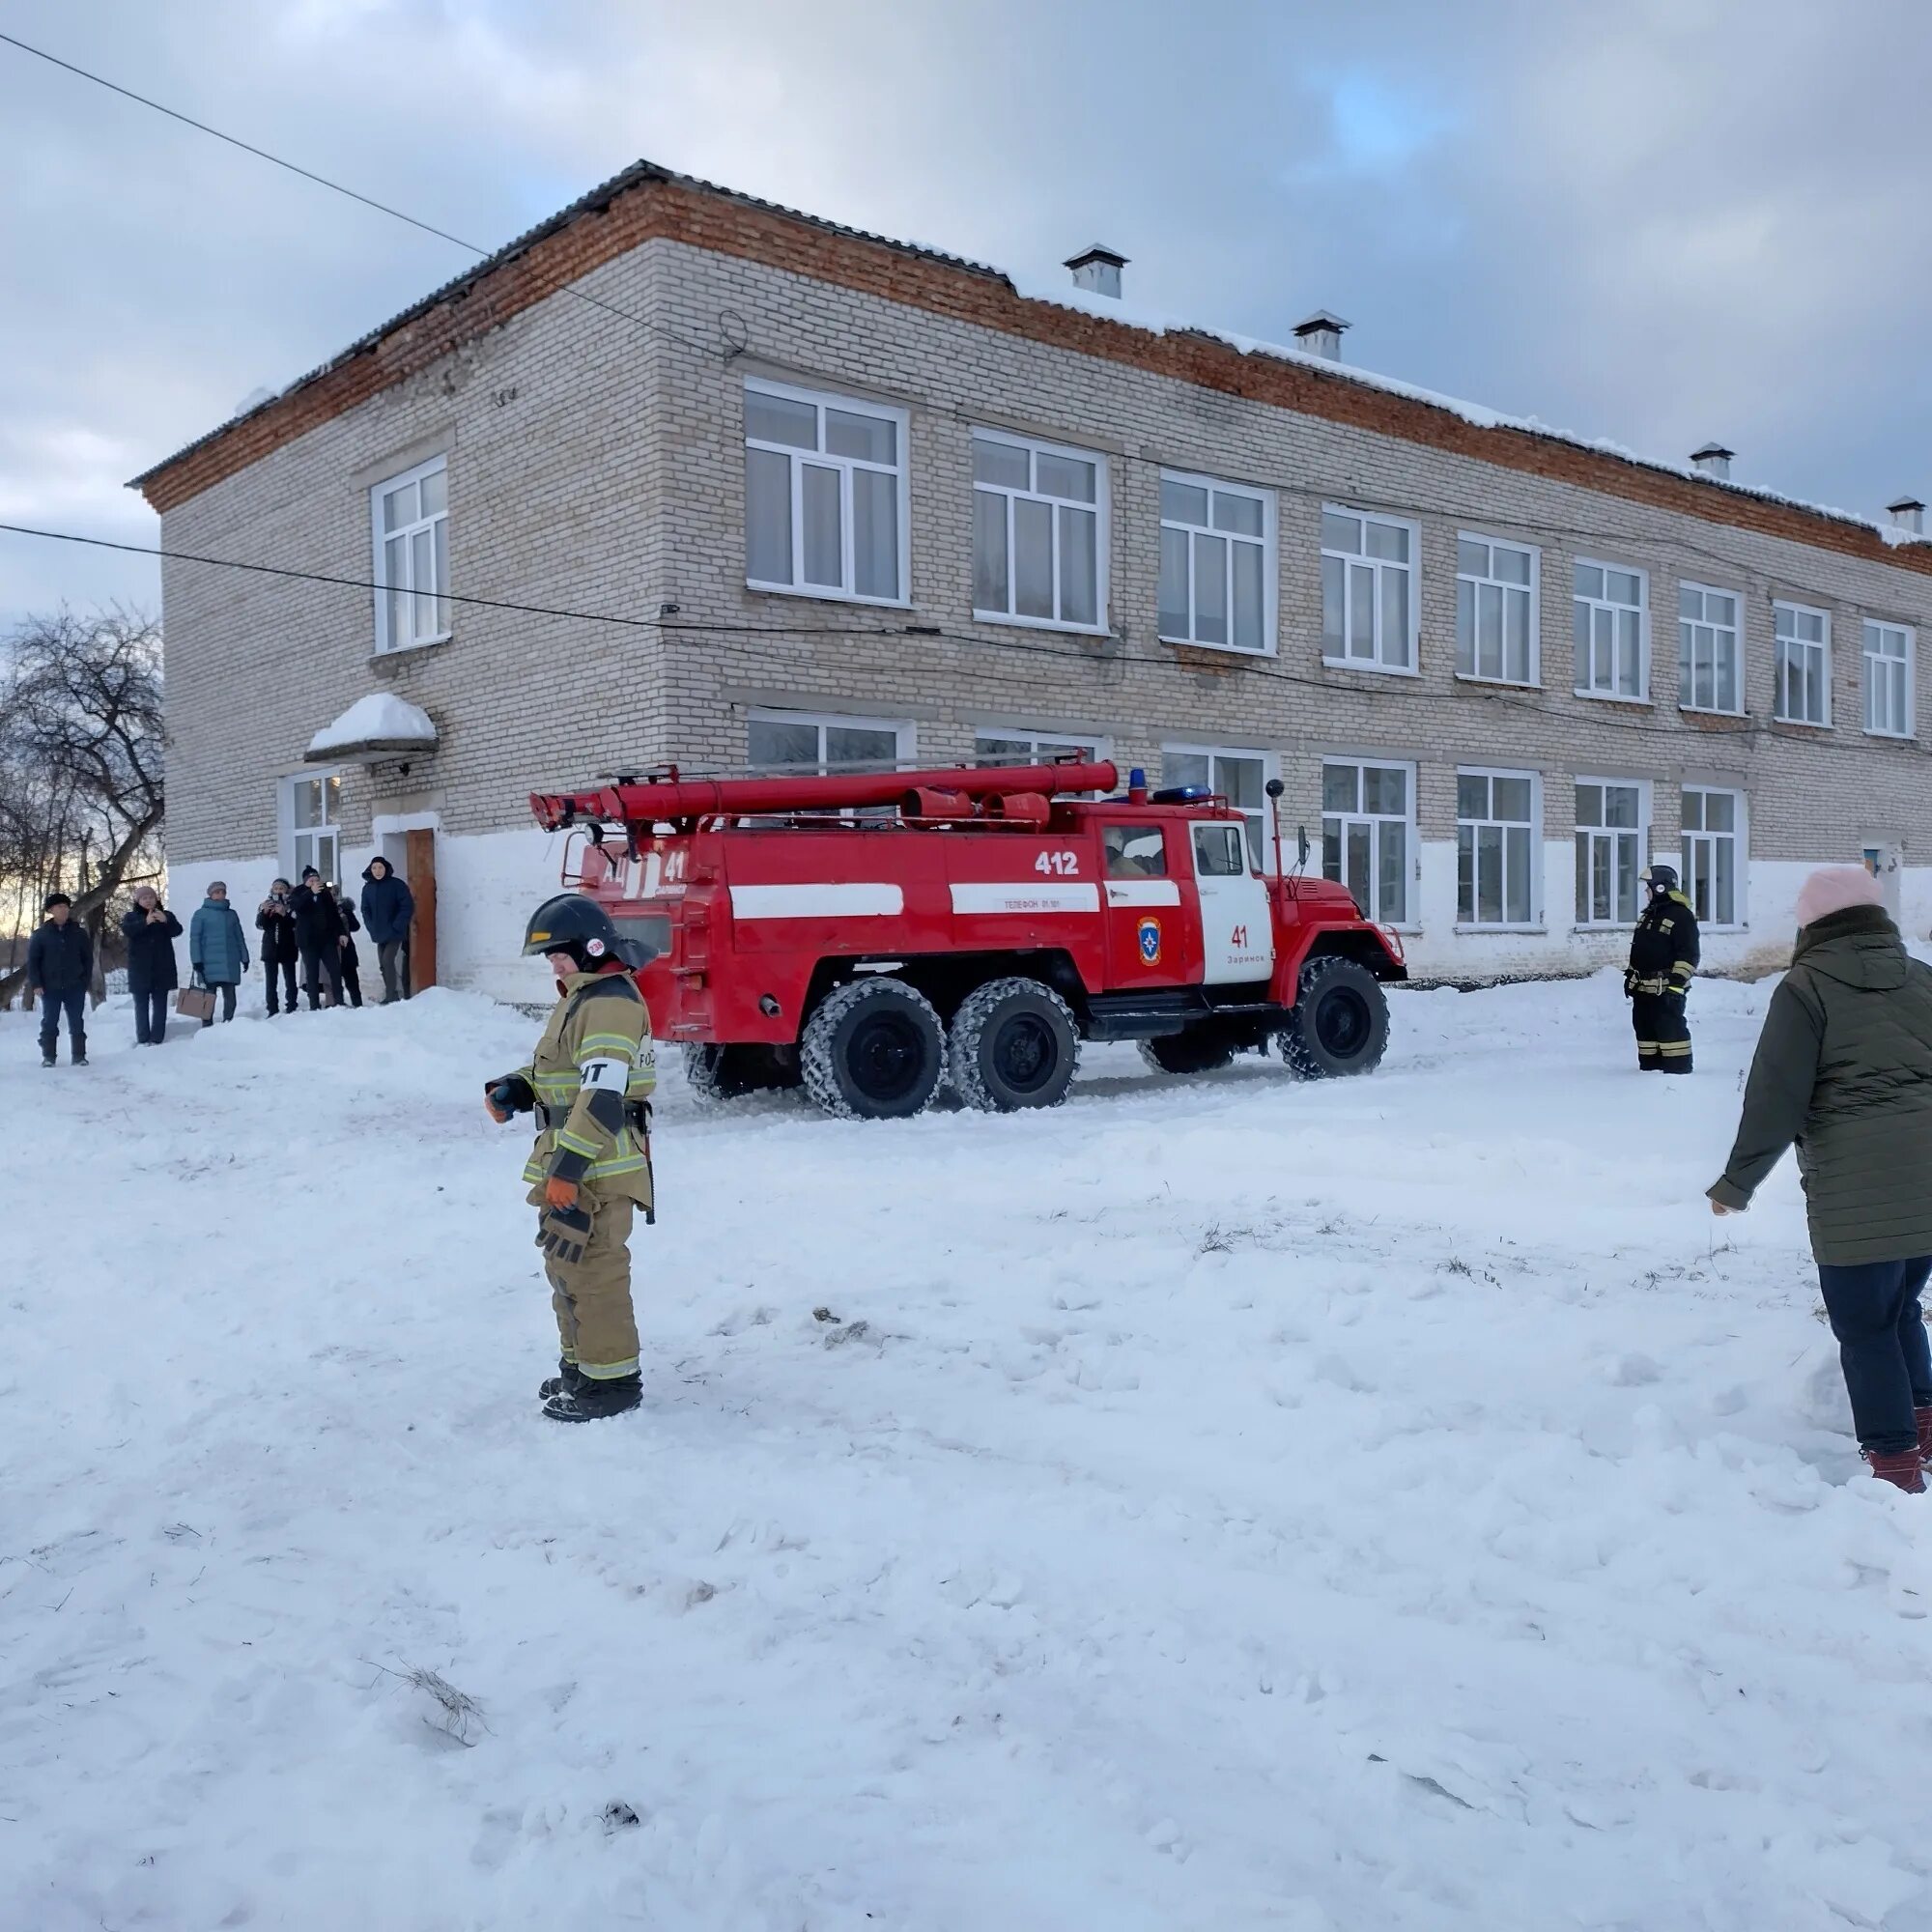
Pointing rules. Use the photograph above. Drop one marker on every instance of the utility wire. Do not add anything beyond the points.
(353, 194)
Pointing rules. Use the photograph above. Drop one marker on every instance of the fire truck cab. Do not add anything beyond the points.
(872, 937)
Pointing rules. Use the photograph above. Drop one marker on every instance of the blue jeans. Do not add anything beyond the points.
(150, 1017)
(1882, 1347)
(74, 1005)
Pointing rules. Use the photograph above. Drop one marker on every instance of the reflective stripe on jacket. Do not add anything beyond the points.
(594, 1065)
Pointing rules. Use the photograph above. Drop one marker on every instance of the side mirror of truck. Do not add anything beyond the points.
(1301, 842)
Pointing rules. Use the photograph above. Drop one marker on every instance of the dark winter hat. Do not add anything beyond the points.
(53, 899)
(309, 872)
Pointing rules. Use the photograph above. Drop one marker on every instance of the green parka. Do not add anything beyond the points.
(1843, 1072)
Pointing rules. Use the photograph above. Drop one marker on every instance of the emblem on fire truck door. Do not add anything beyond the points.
(1149, 935)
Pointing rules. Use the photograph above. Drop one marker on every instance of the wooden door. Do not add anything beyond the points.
(419, 868)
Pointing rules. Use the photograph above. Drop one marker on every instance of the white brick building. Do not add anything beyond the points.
(827, 497)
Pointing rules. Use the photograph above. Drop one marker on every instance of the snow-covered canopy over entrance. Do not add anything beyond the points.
(379, 725)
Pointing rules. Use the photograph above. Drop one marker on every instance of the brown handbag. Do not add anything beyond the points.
(194, 1001)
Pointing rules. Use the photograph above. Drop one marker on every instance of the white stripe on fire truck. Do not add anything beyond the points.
(1142, 892)
(818, 901)
(1024, 895)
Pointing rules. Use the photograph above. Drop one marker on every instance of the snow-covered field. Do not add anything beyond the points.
(1216, 1504)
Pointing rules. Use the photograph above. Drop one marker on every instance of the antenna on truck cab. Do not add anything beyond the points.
(1274, 789)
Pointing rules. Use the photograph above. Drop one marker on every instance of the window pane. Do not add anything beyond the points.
(1173, 583)
(1239, 781)
(1625, 587)
(849, 744)
(1361, 610)
(1395, 616)
(1516, 636)
(1392, 872)
(1490, 631)
(399, 617)
(1331, 848)
(1389, 541)
(1620, 805)
(305, 803)
(1079, 567)
(399, 507)
(875, 532)
(1185, 768)
(1250, 632)
(773, 744)
(1239, 514)
(1693, 811)
(1000, 462)
(990, 552)
(767, 517)
(1032, 558)
(1332, 606)
(1720, 811)
(1002, 750)
(870, 439)
(1472, 796)
(1465, 875)
(1589, 580)
(1339, 787)
(1473, 557)
(1512, 799)
(1627, 871)
(1724, 883)
(1344, 533)
(1210, 589)
(824, 554)
(1589, 805)
(1689, 603)
(1386, 790)
(1063, 476)
(781, 419)
(1465, 628)
(1512, 565)
(1489, 875)
(1183, 502)
(1358, 874)
(442, 573)
(1515, 875)
(422, 568)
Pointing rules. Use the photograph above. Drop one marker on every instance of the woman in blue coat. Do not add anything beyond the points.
(216, 949)
(150, 931)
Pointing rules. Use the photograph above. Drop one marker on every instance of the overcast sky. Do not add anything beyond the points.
(1653, 220)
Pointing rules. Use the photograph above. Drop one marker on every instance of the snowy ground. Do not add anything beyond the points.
(1218, 1504)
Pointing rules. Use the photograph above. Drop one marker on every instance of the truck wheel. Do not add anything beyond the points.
(1340, 1023)
(1013, 1044)
(873, 1050)
(709, 1073)
(1200, 1049)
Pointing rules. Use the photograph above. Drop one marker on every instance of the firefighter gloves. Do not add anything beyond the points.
(560, 1193)
(563, 1232)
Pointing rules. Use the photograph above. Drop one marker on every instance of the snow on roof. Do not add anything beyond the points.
(380, 721)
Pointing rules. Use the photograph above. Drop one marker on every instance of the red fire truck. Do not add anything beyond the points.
(874, 935)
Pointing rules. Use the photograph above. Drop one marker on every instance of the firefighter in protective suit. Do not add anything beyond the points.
(1662, 960)
(589, 1085)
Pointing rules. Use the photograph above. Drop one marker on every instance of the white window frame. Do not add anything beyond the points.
(1909, 640)
(905, 734)
(290, 861)
(1534, 680)
(1379, 565)
(1046, 745)
(1264, 543)
(1685, 625)
(847, 466)
(1585, 666)
(1822, 645)
(1612, 833)
(380, 539)
(1102, 506)
(1535, 920)
(1264, 832)
(1739, 836)
(1359, 762)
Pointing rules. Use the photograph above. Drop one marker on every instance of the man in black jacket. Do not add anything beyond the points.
(320, 937)
(388, 908)
(59, 968)
(275, 921)
(1662, 960)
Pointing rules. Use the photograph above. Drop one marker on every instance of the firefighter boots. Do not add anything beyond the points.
(592, 1399)
(567, 1380)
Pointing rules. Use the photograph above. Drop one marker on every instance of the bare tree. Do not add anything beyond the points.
(81, 766)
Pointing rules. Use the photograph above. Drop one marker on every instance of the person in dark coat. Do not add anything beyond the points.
(150, 931)
(1664, 959)
(216, 949)
(59, 969)
(275, 921)
(1843, 1072)
(351, 966)
(320, 936)
(388, 906)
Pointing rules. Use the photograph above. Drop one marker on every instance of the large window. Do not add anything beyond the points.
(825, 494)
(1888, 679)
(994, 745)
(1609, 609)
(1609, 851)
(1714, 853)
(410, 517)
(1367, 815)
(1216, 563)
(311, 818)
(1709, 658)
(1802, 661)
(1239, 776)
(1369, 607)
(1495, 611)
(1495, 848)
(777, 742)
(1040, 538)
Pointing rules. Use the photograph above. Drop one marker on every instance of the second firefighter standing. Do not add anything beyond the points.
(1663, 962)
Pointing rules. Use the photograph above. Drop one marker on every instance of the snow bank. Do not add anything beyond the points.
(1219, 1503)
(382, 718)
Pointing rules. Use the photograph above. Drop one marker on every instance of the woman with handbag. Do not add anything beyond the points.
(216, 950)
(150, 931)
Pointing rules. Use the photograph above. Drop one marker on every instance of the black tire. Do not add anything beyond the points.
(1013, 1044)
(717, 1073)
(873, 1050)
(1339, 1024)
(1200, 1049)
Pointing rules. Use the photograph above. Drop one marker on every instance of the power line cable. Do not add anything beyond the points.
(353, 194)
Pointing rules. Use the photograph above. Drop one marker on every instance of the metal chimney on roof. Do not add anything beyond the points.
(1098, 269)
(1909, 514)
(1714, 460)
(1321, 334)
